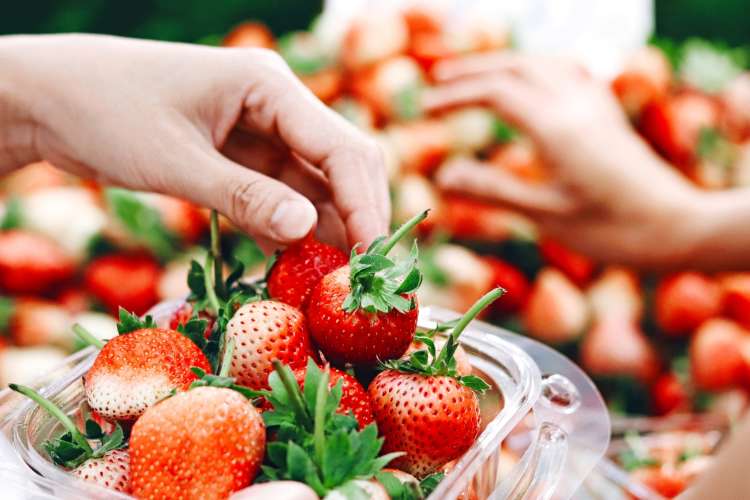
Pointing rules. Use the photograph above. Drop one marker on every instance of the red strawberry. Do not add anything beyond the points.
(424, 408)
(556, 311)
(136, 369)
(615, 346)
(31, 264)
(520, 158)
(300, 267)
(470, 219)
(203, 443)
(576, 266)
(685, 300)
(736, 292)
(185, 313)
(391, 87)
(250, 34)
(107, 465)
(646, 78)
(366, 312)
(127, 281)
(514, 282)
(669, 394)
(673, 125)
(180, 217)
(373, 38)
(666, 482)
(716, 354)
(262, 332)
(419, 146)
(354, 398)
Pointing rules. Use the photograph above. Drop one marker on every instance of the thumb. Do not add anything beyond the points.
(259, 205)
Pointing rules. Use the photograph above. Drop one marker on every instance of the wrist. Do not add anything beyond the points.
(17, 125)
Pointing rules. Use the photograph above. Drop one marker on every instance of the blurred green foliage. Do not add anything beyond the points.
(193, 20)
(177, 20)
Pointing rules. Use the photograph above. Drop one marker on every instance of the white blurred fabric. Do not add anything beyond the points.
(597, 33)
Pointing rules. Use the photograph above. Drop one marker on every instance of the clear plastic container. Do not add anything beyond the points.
(530, 383)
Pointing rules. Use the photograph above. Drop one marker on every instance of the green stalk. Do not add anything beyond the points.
(226, 361)
(406, 227)
(472, 313)
(56, 412)
(210, 291)
(292, 388)
(216, 253)
(320, 417)
(87, 337)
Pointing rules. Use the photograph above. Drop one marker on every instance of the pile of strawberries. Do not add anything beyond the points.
(317, 376)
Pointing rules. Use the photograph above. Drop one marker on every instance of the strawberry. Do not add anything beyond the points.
(684, 301)
(372, 38)
(576, 266)
(123, 280)
(326, 84)
(616, 292)
(476, 220)
(424, 407)
(138, 368)
(180, 217)
(367, 311)
(716, 354)
(107, 465)
(391, 87)
(646, 77)
(34, 177)
(673, 125)
(354, 398)
(735, 99)
(520, 158)
(262, 332)
(463, 363)
(40, 322)
(250, 34)
(615, 346)
(307, 432)
(669, 394)
(736, 293)
(556, 310)
(513, 281)
(27, 364)
(203, 443)
(414, 193)
(664, 481)
(300, 267)
(420, 146)
(31, 264)
(182, 316)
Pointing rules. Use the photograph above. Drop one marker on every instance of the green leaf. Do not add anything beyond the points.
(110, 442)
(503, 132)
(93, 430)
(195, 330)
(397, 490)
(352, 491)
(474, 383)
(7, 307)
(13, 216)
(196, 281)
(130, 322)
(142, 221)
(431, 482)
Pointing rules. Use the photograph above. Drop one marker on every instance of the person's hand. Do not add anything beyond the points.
(610, 195)
(230, 129)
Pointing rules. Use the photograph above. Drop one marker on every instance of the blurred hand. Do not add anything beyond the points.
(231, 129)
(610, 197)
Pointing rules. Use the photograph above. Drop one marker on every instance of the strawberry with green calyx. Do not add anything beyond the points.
(367, 311)
(423, 406)
(106, 465)
(312, 442)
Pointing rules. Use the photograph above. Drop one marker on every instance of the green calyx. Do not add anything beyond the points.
(130, 322)
(430, 362)
(379, 283)
(310, 441)
(72, 448)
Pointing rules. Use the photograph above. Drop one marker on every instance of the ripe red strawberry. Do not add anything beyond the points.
(716, 354)
(391, 87)
(354, 398)
(477, 220)
(513, 281)
(615, 346)
(685, 300)
(668, 394)
(107, 465)
(31, 264)
(262, 332)
(736, 292)
(180, 217)
(556, 310)
(203, 443)
(300, 267)
(645, 78)
(576, 266)
(667, 482)
(420, 146)
(185, 313)
(424, 408)
(128, 281)
(250, 34)
(136, 369)
(366, 312)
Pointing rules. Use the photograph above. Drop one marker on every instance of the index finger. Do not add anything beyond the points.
(279, 104)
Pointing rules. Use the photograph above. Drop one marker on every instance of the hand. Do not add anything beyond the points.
(231, 129)
(610, 197)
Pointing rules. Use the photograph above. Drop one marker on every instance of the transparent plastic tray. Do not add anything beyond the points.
(529, 381)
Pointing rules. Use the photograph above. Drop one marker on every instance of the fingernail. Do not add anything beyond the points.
(293, 219)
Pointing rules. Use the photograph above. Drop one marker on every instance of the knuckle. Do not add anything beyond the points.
(247, 198)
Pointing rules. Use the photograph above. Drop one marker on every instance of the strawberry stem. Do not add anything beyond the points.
(226, 361)
(86, 336)
(472, 313)
(216, 254)
(388, 244)
(210, 291)
(57, 413)
(292, 388)
(320, 414)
